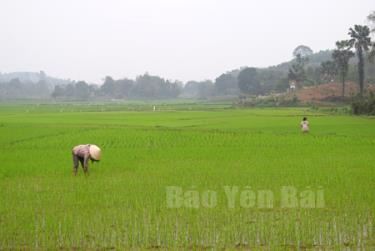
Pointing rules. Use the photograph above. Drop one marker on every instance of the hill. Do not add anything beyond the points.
(32, 77)
(329, 92)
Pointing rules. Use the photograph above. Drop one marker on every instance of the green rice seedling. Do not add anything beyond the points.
(231, 158)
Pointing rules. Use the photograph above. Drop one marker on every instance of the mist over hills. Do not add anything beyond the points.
(32, 77)
(39, 85)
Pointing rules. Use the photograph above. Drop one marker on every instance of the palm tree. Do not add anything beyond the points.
(297, 70)
(361, 41)
(371, 19)
(341, 56)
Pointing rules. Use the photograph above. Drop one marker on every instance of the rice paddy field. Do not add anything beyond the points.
(185, 177)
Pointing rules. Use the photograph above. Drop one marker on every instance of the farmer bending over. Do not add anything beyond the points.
(305, 125)
(83, 153)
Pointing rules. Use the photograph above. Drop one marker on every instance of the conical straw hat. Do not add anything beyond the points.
(95, 152)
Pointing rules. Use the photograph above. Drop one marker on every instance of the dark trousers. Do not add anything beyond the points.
(76, 161)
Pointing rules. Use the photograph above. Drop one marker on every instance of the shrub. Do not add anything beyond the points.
(364, 105)
(269, 101)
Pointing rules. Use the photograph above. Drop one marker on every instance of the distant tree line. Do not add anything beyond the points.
(27, 85)
(15, 89)
(311, 69)
(143, 87)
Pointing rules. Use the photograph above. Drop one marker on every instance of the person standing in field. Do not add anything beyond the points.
(305, 125)
(84, 153)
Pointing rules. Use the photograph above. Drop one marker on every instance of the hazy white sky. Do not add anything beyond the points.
(176, 39)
